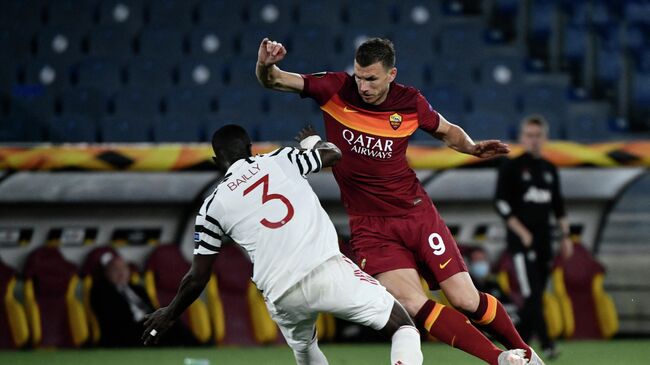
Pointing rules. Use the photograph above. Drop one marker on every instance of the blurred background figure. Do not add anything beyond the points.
(528, 191)
(121, 306)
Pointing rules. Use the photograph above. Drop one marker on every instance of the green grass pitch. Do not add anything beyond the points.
(625, 352)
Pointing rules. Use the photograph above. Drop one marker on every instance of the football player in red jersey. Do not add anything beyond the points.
(396, 231)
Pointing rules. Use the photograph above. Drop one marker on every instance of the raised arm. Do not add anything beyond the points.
(191, 287)
(269, 74)
(456, 138)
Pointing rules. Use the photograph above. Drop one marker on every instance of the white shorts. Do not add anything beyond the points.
(336, 286)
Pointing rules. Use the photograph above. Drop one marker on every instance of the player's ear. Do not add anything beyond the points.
(392, 74)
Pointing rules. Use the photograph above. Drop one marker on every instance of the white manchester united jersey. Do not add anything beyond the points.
(266, 205)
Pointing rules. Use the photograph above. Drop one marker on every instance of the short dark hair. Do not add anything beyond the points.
(376, 50)
(231, 140)
(534, 119)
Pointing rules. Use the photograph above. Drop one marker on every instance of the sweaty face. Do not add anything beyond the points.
(373, 81)
(532, 138)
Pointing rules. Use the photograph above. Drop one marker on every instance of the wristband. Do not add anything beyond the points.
(309, 142)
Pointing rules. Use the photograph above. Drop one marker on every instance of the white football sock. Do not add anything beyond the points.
(405, 349)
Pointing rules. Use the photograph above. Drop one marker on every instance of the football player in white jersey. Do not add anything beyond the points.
(265, 205)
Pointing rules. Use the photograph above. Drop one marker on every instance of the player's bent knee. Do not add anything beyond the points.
(465, 302)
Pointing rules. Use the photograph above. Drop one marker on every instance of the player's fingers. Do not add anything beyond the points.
(277, 49)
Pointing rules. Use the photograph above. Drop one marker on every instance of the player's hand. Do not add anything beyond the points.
(527, 239)
(155, 325)
(305, 132)
(270, 52)
(490, 148)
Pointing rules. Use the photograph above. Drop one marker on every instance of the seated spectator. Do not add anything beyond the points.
(479, 268)
(121, 307)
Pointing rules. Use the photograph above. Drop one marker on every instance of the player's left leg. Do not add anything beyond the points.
(483, 309)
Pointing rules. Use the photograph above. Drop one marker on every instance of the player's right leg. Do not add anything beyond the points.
(444, 323)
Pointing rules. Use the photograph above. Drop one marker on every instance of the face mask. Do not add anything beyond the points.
(479, 270)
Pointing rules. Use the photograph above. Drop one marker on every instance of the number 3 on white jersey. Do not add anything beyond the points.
(436, 243)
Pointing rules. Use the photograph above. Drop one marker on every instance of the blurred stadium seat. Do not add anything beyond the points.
(150, 73)
(103, 74)
(161, 42)
(73, 128)
(126, 15)
(110, 41)
(14, 331)
(124, 129)
(177, 128)
(170, 13)
(141, 103)
(319, 13)
(81, 101)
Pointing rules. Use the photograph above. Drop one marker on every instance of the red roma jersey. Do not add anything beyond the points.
(373, 175)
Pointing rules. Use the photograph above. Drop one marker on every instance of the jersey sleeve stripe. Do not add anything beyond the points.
(201, 249)
(319, 164)
(278, 151)
(214, 221)
(304, 157)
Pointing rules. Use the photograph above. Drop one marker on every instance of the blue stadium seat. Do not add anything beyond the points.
(248, 121)
(635, 38)
(22, 15)
(637, 12)
(161, 43)
(282, 126)
(125, 130)
(75, 14)
(236, 99)
(369, 13)
(446, 99)
(424, 15)
(72, 128)
(32, 104)
(216, 13)
(171, 13)
(15, 46)
(487, 126)
(459, 71)
(59, 43)
(461, 38)
(270, 12)
(412, 74)
(609, 68)
(413, 44)
(540, 94)
(304, 65)
(641, 91)
(8, 75)
(177, 128)
(497, 100)
(575, 44)
(312, 42)
(211, 42)
(588, 121)
(123, 14)
(188, 101)
(643, 62)
(137, 103)
(541, 19)
(16, 129)
(501, 68)
(103, 74)
(92, 103)
(53, 76)
(201, 72)
(149, 72)
(320, 13)
(241, 73)
(110, 41)
(290, 103)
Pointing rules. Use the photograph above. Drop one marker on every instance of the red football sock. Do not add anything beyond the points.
(451, 327)
(492, 316)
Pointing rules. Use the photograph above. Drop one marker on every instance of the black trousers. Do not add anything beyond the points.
(532, 269)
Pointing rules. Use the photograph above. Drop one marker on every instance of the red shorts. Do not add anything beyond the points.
(418, 240)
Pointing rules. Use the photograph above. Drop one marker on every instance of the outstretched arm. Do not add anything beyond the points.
(270, 75)
(456, 138)
(192, 285)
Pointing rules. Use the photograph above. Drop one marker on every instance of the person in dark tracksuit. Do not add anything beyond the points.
(528, 192)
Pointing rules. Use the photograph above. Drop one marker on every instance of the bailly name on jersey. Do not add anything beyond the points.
(369, 146)
(243, 179)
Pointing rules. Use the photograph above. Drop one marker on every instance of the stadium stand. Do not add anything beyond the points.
(14, 331)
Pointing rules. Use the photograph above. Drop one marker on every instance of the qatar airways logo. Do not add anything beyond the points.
(369, 146)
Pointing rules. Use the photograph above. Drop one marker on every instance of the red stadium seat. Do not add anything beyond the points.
(56, 316)
(242, 316)
(14, 331)
(91, 267)
(164, 271)
(587, 310)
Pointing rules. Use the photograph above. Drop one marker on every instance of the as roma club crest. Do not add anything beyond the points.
(395, 120)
